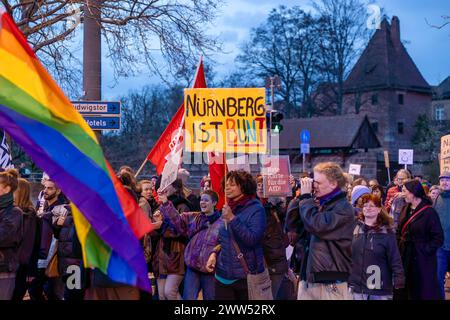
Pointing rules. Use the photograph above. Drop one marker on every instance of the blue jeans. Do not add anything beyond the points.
(195, 281)
(443, 259)
(363, 296)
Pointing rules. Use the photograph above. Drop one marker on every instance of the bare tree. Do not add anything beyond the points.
(445, 23)
(138, 34)
(145, 114)
(284, 45)
(343, 29)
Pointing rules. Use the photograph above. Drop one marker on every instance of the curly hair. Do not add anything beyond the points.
(243, 179)
(333, 172)
(212, 194)
(10, 179)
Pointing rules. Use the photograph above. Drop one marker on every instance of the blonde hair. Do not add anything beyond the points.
(10, 179)
(333, 172)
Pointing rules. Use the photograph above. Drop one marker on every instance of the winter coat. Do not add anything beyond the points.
(377, 248)
(248, 227)
(331, 227)
(29, 247)
(197, 228)
(275, 241)
(10, 238)
(301, 248)
(48, 218)
(418, 247)
(442, 207)
(390, 195)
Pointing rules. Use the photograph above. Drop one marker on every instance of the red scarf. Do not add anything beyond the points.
(241, 202)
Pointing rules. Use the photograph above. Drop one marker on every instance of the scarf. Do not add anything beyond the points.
(213, 217)
(325, 198)
(241, 202)
(6, 200)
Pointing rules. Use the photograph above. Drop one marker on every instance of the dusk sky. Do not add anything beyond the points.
(429, 47)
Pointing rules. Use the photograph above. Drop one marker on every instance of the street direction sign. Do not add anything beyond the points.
(305, 136)
(97, 107)
(103, 123)
(304, 148)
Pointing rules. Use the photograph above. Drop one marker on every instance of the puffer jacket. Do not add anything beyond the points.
(202, 234)
(275, 241)
(248, 228)
(10, 238)
(375, 249)
(331, 227)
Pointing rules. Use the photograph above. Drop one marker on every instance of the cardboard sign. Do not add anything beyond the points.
(239, 163)
(405, 156)
(225, 120)
(276, 171)
(354, 169)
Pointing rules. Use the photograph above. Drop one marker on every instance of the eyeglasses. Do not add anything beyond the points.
(369, 207)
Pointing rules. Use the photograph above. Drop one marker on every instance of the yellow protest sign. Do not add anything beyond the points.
(225, 120)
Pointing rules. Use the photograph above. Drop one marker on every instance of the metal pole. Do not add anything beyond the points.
(389, 175)
(92, 53)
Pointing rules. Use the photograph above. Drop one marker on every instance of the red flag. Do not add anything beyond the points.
(169, 138)
(217, 168)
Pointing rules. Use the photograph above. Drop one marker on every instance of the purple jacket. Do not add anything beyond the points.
(202, 231)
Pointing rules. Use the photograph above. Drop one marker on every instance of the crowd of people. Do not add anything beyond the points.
(333, 238)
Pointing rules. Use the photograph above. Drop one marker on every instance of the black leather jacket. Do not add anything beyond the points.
(331, 227)
(275, 240)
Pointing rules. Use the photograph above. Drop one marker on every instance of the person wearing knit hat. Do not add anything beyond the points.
(357, 193)
(445, 175)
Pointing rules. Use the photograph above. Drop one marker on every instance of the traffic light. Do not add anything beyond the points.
(277, 116)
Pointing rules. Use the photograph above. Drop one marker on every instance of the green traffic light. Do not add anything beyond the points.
(277, 128)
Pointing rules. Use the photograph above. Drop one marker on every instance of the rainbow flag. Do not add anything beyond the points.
(39, 117)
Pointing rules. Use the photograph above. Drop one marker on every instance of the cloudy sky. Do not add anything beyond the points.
(429, 47)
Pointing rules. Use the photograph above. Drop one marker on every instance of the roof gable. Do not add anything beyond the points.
(385, 63)
(335, 132)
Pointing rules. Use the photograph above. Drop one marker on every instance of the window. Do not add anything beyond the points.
(439, 112)
(374, 99)
(401, 98)
(400, 127)
(375, 126)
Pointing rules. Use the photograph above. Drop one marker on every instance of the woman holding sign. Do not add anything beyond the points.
(240, 255)
(202, 229)
(421, 235)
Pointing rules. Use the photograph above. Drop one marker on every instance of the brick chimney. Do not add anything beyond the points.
(395, 31)
(384, 24)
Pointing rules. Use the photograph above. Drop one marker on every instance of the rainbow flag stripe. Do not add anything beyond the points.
(38, 116)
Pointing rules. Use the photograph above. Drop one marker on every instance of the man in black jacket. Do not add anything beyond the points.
(329, 218)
